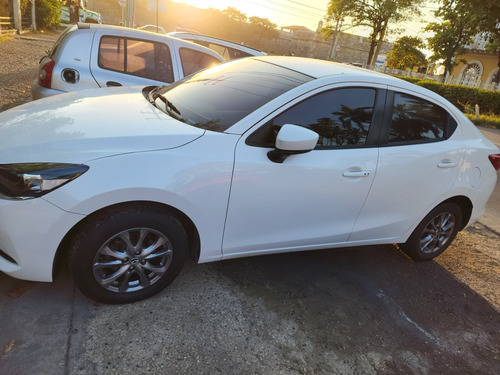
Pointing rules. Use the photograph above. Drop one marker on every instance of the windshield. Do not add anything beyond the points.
(217, 98)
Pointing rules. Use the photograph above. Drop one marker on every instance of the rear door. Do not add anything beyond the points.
(421, 153)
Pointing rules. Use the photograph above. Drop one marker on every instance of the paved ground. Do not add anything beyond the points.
(19, 59)
(360, 310)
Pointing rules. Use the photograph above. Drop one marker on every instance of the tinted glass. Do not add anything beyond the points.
(341, 117)
(194, 61)
(227, 53)
(136, 57)
(217, 98)
(416, 120)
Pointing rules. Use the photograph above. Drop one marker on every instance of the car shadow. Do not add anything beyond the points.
(348, 310)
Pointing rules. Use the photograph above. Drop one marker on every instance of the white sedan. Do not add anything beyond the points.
(257, 156)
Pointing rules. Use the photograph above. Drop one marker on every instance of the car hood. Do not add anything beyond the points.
(86, 125)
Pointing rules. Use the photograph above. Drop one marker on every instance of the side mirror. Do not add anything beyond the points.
(291, 140)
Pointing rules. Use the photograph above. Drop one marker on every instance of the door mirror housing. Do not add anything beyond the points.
(291, 140)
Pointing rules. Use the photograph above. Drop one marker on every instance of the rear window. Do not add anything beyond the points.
(415, 120)
(60, 39)
(218, 98)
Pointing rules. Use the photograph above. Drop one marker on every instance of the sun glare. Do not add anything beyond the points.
(283, 13)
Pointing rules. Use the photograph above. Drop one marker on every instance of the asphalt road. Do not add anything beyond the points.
(365, 310)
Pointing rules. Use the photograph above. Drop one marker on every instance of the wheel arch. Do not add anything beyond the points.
(465, 205)
(193, 236)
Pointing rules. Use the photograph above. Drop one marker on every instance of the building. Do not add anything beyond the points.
(477, 67)
(300, 41)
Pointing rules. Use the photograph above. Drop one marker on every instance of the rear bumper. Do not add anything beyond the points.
(39, 92)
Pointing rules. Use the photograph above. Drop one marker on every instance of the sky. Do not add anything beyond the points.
(302, 13)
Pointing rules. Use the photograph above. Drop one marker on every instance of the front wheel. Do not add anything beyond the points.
(434, 233)
(127, 254)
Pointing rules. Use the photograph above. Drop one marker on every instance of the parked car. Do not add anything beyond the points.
(257, 156)
(153, 29)
(226, 49)
(84, 14)
(92, 56)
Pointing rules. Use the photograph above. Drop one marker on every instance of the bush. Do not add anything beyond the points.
(465, 98)
(485, 121)
(48, 14)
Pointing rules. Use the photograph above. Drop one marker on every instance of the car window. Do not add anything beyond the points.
(244, 85)
(341, 117)
(137, 57)
(416, 120)
(194, 61)
(228, 53)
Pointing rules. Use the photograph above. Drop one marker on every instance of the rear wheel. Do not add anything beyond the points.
(128, 254)
(434, 233)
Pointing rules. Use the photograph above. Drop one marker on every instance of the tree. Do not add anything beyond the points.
(336, 12)
(48, 13)
(405, 53)
(263, 28)
(488, 15)
(460, 23)
(235, 14)
(376, 15)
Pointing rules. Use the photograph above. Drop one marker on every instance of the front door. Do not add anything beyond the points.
(310, 199)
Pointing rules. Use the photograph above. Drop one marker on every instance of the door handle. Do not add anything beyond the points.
(356, 173)
(113, 84)
(447, 164)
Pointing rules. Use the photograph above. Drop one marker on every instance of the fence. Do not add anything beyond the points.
(490, 86)
(6, 26)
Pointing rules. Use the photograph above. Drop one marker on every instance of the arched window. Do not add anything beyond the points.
(489, 82)
(471, 74)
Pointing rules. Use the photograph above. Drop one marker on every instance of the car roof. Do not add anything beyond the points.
(129, 32)
(319, 68)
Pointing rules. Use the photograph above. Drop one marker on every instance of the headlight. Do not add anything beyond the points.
(32, 180)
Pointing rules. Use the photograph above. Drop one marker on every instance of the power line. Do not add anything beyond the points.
(300, 12)
(307, 6)
(309, 17)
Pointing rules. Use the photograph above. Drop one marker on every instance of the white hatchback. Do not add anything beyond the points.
(257, 156)
(91, 56)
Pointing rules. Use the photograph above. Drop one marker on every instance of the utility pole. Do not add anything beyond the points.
(16, 5)
(33, 15)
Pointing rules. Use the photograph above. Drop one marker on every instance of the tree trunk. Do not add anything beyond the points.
(373, 43)
(379, 43)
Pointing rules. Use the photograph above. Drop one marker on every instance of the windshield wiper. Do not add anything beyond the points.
(169, 106)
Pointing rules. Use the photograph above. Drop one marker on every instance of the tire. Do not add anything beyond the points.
(126, 254)
(434, 233)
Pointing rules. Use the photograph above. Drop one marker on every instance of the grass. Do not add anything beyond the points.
(487, 121)
(5, 38)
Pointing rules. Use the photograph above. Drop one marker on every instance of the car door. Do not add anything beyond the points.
(311, 199)
(126, 61)
(420, 156)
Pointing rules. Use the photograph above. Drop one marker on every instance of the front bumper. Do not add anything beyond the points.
(30, 234)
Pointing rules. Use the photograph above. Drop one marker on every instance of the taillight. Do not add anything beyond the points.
(495, 160)
(45, 74)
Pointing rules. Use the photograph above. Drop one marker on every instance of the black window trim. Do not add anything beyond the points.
(376, 126)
